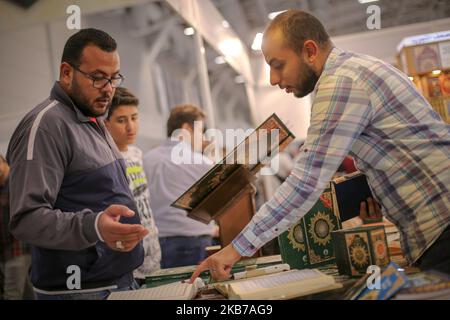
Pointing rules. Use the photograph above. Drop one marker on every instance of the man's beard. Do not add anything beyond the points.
(82, 103)
(308, 83)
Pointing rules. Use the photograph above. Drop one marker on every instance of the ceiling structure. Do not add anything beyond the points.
(340, 17)
(248, 17)
(147, 19)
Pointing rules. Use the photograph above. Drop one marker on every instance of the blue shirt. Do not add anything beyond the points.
(168, 180)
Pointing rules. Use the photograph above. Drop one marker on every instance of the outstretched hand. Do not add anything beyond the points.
(219, 264)
(120, 236)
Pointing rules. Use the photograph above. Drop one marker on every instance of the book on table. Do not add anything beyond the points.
(426, 285)
(170, 275)
(281, 286)
(174, 291)
(307, 244)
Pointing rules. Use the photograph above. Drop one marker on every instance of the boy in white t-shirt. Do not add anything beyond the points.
(123, 124)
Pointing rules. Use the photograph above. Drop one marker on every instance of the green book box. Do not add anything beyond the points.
(358, 248)
(308, 244)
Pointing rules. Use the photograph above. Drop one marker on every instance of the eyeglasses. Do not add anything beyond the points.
(101, 82)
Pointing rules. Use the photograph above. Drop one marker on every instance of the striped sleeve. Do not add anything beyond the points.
(341, 111)
(38, 162)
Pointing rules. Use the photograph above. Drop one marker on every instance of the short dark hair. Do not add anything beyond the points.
(184, 113)
(122, 97)
(78, 41)
(297, 26)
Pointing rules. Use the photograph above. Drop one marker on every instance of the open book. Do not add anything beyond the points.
(207, 198)
(173, 291)
(170, 275)
(281, 286)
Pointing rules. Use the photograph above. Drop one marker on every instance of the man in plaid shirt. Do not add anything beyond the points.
(368, 109)
(15, 256)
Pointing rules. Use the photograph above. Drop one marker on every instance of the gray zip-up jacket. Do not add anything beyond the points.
(65, 169)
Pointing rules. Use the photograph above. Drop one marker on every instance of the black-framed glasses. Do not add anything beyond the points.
(101, 82)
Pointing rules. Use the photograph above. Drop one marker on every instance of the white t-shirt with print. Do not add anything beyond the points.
(139, 188)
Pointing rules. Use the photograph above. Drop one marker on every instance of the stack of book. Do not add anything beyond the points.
(165, 276)
(427, 285)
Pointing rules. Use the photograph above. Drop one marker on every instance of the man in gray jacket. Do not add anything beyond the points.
(69, 193)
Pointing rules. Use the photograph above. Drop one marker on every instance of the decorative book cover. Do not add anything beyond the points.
(378, 240)
(308, 243)
(426, 58)
(444, 81)
(434, 87)
(235, 170)
(358, 248)
(358, 252)
(392, 280)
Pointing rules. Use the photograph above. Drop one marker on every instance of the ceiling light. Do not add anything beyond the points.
(436, 72)
(239, 79)
(230, 47)
(189, 31)
(219, 60)
(272, 15)
(366, 1)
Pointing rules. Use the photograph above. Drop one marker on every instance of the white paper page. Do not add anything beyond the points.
(172, 291)
(276, 280)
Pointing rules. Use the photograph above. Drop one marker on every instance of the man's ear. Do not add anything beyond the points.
(65, 73)
(310, 51)
(187, 126)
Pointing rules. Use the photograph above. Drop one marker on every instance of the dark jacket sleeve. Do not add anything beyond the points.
(38, 163)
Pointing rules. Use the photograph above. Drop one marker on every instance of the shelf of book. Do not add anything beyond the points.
(426, 60)
(435, 86)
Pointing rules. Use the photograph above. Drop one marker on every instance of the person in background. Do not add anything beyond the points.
(123, 125)
(15, 258)
(183, 240)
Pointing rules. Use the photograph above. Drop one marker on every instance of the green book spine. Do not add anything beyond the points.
(340, 251)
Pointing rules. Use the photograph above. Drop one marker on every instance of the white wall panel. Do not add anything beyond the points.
(26, 77)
